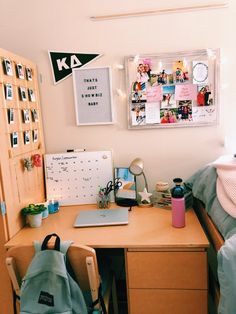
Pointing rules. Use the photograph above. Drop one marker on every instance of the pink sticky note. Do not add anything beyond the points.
(186, 92)
(154, 93)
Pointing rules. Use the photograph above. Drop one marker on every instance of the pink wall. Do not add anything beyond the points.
(32, 29)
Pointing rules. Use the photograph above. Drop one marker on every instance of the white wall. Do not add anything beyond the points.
(31, 28)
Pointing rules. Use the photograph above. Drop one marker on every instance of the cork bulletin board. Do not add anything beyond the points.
(75, 178)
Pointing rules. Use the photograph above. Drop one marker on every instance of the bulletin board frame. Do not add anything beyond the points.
(179, 89)
(93, 96)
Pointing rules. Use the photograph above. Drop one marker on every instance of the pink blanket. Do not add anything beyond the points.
(226, 183)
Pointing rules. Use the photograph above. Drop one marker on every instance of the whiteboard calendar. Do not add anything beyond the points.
(75, 178)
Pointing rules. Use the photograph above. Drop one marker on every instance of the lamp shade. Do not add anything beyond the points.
(136, 167)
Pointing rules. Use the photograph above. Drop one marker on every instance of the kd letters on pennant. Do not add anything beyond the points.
(63, 62)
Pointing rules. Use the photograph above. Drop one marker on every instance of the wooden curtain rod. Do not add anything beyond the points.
(160, 11)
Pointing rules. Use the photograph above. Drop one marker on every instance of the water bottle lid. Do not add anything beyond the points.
(178, 190)
(177, 180)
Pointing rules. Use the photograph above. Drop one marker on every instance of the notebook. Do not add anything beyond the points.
(102, 217)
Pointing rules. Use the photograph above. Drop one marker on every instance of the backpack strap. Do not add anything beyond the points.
(58, 246)
(46, 240)
(100, 300)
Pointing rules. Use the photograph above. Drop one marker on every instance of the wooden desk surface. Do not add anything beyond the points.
(148, 228)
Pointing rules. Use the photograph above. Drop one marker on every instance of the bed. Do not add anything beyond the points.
(220, 228)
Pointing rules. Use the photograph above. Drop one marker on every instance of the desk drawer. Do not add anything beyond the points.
(143, 301)
(167, 270)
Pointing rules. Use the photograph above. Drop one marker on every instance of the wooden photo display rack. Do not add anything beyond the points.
(21, 137)
(173, 89)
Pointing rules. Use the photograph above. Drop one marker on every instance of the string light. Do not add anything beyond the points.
(211, 54)
(136, 58)
(120, 66)
(120, 93)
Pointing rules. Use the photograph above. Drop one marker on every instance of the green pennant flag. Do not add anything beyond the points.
(63, 62)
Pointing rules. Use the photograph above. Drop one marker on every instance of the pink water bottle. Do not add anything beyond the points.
(178, 204)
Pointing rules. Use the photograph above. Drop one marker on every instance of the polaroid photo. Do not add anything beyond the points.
(14, 139)
(19, 71)
(29, 74)
(35, 134)
(10, 115)
(180, 71)
(185, 110)
(138, 114)
(168, 101)
(31, 95)
(168, 97)
(22, 92)
(8, 67)
(26, 115)
(26, 137)
(35, 116)
(139, 92)
(138, 97)
(169, 115)
(204, 95)
(8, 91)
(163, 74)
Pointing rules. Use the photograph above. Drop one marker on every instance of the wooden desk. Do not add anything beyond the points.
(166, 268)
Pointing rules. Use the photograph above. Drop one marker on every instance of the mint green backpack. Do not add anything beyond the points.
(47, 286)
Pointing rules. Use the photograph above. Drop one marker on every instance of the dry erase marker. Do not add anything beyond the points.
(77, 150)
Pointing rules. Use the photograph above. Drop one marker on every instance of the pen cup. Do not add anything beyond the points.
(53, 206)
(103, 200)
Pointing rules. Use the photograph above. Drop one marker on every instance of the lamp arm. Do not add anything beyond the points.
(145, 180)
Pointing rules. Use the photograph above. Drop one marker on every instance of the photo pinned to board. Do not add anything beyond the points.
(35, 135)
(27, 137)
(168, 96)
(163, 89)
(7, 66)
(31, 95)
(8, 91)
(22, 93)
(26, 115)
(169, 115)
(204, 95)
(14, 139)
(139, 92)
(34, 113)
(20, 71)
(29, 74)
(138, 114)
(10, 115)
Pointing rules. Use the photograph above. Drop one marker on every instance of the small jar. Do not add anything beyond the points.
(162, 186)
(103, 200)
(161, 197)
(53, 206)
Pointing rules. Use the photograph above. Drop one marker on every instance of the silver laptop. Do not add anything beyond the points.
(102, 217)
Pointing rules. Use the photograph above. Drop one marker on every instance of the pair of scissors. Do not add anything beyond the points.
(110, 186)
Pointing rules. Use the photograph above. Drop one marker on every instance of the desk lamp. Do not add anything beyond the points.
(136, 168)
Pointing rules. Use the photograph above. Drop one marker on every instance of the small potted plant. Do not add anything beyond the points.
(33, 214)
